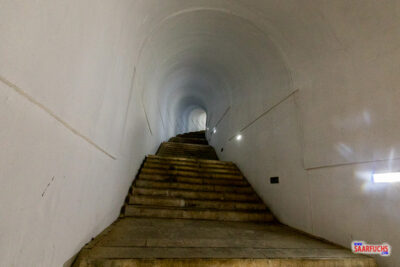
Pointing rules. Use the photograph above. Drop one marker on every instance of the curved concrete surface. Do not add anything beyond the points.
(89, 87)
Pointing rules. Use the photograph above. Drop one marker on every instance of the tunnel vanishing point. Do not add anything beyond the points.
(199, 132)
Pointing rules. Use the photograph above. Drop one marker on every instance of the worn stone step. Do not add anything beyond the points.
(193, 180)
(189, 194)
(200, 134)
(187, 150)
(195, 148)
(166, 166)
(194, 187)
(192, 164)
(198, 214)
(133, 241)
(189, 140)
(195, 203)
(191, 160)
(221, 257)
(192, 173)
(187, 154)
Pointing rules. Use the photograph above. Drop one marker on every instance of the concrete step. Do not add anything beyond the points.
(200, 134)
(191, 160)
(221, 257)
(196, 213)
(168, 166)
(192, 164)
(194, 187)
(133, 241)
(193, 180)
(189, 140)
(195, 203)
(192, 173)
(191, 136)
(186, 150)
(189, 194)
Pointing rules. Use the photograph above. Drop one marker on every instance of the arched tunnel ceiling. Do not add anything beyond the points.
(209, 58)
(249, 55)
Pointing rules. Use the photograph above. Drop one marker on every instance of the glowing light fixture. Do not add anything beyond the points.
(239, 137)
(214, 130)
(389, 177)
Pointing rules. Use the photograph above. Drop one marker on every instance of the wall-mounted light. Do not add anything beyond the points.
(214, 130)
(238, 137)
(389, 177)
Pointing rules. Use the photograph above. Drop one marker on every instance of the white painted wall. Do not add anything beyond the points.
(326, 139)
(72, 129)
(87, 88)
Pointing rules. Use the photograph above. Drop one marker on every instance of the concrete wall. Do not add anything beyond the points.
(72, 129)
(89, 87)
(338, 127)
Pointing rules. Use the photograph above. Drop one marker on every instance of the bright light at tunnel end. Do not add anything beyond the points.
(389, 177)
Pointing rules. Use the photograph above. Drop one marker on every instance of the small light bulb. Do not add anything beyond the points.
(214, 130)
(239, 137)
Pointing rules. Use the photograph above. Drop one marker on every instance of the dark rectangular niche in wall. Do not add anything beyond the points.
(274, 180)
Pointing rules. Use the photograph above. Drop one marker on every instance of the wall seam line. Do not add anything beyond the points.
(53, 115)
(349, 163)
(265, 112)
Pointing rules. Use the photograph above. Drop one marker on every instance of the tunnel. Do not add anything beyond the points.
(89, 88)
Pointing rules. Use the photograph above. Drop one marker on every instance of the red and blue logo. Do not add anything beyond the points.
(361, 247)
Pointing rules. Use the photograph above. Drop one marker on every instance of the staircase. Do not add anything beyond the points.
(186, 181)
(187, 208)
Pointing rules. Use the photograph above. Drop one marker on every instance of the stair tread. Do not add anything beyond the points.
(192, 171)
(196, 196)
(192, 159)
(260, 205)
(168, 166)
(204, 214)
(184, 162)
(190, 140)
(192, 174)
(196, 184)
(177, 176)
(194, 180)
(182, 242)
(195, 191)
(194, 187)
(225, 253)
(195, 209)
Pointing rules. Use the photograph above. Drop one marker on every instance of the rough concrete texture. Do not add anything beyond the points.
(88, 87)
(174, 242)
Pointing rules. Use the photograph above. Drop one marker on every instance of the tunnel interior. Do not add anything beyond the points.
(88, 89)
(196, 119)
(210, 59)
